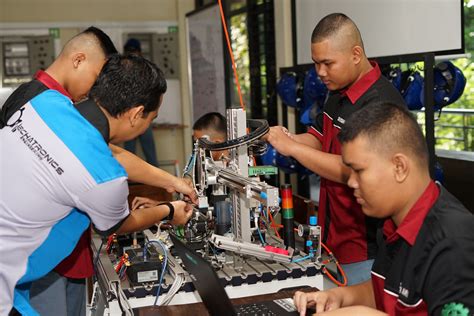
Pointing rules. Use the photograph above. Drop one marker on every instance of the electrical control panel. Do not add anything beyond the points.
(160, 48)
(22, 56)
(165, 53)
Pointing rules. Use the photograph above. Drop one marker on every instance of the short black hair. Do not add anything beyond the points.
(127, 81)
(330, 25)
(212, 120)
(105, 42)
(389, 127)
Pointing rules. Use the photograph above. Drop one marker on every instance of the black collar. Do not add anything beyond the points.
(92, 112)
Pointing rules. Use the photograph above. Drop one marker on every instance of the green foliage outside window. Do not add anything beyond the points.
(452, 131)
(456, 131)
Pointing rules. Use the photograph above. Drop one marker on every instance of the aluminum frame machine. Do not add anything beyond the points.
(232, 227)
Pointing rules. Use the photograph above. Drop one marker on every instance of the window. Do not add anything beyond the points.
(454, 130)
(253, 39)
(251, 29)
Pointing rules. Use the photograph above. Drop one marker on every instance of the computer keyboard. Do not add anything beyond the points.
(253, 309)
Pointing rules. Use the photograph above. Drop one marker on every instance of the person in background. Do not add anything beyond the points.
(424, 264)
(354, 82)
(147, 141)
(212, 125)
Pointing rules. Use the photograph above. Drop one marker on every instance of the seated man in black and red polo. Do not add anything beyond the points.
(425, 262)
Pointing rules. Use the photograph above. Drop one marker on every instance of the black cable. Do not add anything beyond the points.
(118, 299)
(96, 259)
(258, 148)
(213, 251)
(261, 128)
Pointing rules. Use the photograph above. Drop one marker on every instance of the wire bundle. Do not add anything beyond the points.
(121, 266)
(261, 128)
(123, 302)
(177, 284)
(332, 258)
(163, 269)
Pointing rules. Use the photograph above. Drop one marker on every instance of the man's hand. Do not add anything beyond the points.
(143, 202)
(184, 186)
(280, 139)
(322, 301)
(182, 212)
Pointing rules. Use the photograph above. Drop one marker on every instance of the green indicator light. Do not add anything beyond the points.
(262, 170)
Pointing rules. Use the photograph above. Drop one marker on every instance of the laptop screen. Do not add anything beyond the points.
(205, 280)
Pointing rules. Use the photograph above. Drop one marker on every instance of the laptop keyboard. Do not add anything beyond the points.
(253, 309)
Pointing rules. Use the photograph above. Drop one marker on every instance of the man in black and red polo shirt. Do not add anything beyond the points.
(62, 292)
(340, 61)
(424, 263)
(72, 74)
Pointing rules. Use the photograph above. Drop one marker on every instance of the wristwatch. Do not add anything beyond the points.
(171, 213)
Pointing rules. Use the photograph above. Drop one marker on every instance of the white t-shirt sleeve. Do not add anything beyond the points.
(106, 204)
